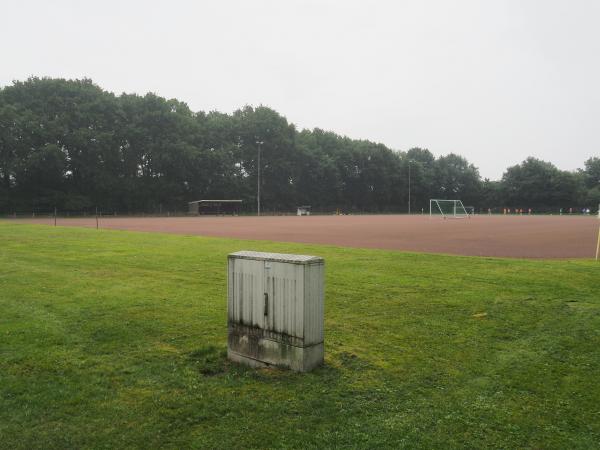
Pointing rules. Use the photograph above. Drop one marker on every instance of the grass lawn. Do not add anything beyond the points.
(118, 339)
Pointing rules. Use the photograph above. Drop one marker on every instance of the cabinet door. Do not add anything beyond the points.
(246, 292)
(284, 288)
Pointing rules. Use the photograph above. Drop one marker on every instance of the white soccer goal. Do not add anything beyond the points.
(448, 209)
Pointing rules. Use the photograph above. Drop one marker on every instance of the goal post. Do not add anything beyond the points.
(448, 209)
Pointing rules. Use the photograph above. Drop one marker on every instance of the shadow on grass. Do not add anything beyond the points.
(210, 360)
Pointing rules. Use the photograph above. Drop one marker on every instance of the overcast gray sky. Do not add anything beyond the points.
(495, 81)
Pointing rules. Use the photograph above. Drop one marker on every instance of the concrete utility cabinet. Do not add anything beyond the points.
(275, 309)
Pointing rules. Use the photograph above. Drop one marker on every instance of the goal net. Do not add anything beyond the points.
(448, 209)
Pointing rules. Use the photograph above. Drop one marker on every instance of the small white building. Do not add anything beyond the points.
(303, 211)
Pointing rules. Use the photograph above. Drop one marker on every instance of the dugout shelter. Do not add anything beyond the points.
(217, 207)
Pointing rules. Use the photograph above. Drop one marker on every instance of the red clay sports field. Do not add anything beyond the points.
(504, 236)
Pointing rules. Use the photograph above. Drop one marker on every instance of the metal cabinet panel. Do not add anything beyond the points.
(246, 281)
(285, 290)
(314, 287)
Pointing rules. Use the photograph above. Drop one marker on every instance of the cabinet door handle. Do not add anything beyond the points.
(266, 304)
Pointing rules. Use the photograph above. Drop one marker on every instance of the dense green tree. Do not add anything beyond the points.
(422, 177)
(156, 143)
(592, 197)
(279, 157)
(216, 159)
(591, 181)
(492, 197)
(318, 182)
(539, 185)
(11, 149)
(592, 172)
(456, 178)
(69, 144)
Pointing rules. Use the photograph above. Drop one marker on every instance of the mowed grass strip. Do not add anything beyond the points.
(118, 339)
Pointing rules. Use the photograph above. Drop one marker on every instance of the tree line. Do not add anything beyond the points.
(70, 145)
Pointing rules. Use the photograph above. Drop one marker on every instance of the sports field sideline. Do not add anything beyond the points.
(503, 236)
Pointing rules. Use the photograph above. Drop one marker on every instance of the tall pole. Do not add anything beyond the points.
(598, 244)
(409, 186)
(259, 143)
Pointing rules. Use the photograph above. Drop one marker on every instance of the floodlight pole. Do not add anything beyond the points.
(598, 244)
(259, 143)
(409, 161)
